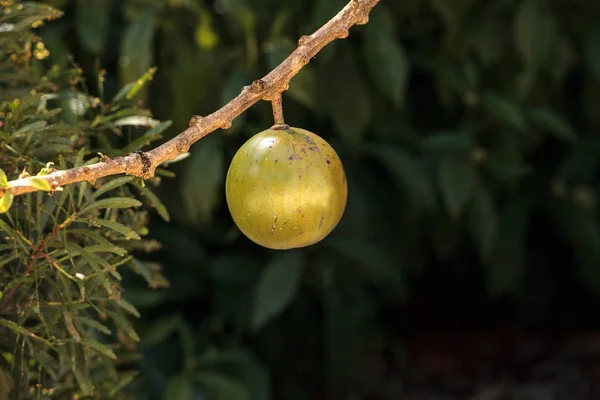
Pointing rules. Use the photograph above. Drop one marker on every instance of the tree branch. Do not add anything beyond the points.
(143, 164)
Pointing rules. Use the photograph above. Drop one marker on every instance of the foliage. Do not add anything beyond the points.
(63, 319)
(467, 130)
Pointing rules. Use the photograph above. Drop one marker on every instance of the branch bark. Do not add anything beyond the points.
(143, 164)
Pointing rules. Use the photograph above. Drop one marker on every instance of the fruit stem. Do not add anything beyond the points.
(277, 104)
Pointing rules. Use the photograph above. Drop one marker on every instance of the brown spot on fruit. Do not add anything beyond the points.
(321, 221)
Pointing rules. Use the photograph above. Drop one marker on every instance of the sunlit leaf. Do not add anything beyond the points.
(206, 37)
(136, 120)
(39, 183)
(3, 180)
(6, 201)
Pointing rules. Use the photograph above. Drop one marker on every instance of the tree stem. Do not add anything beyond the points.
(277, 104)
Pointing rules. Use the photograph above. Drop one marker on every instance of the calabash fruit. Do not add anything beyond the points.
(286, 188)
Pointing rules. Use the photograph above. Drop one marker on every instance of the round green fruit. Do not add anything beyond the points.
(286, 188)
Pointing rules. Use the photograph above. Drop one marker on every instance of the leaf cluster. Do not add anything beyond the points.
(65, 329)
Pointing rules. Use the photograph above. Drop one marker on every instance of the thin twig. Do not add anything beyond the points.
(143, 164)
(277, 104)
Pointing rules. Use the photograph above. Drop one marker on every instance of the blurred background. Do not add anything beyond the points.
(467, 263)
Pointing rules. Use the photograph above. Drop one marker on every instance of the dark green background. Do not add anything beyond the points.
(469, 134)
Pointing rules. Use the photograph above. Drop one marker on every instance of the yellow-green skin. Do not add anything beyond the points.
(286, 188)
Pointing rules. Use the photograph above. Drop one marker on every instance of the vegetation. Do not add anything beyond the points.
(467, 130)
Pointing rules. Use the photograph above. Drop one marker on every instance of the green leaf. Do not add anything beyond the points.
(179, 388)
(303, 88)
(112, 184)
(122, 323)
(388, 64)
(535, 33)
(242, 366)
(127, 306)
(33, 127)
(408, 172)
(118, 227)
(325, 10)
(483, 221)
(155, 202)
(125, 378)
(22, 331)
(91, 22)
(448, 141)
(348, 100)
(137, 48)
(6, 201)
(219, 386)
(591, 53)
(276, 288)
(112, 202)
(206, 36)
(137, 120)
(457, 181)
(148, 137)
(376, 264)
(504, 110)
(554, 123)
(3, 180)
(203, 179)
(161, 328)
(92, 323)
(39, 183)
(99, 347)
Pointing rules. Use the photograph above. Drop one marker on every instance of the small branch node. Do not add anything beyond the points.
(363, 20)
(303, 40)
(258, 85)
(343, 34)
(196, 119)
(226, 124)
(181, 147)
(146, 162)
